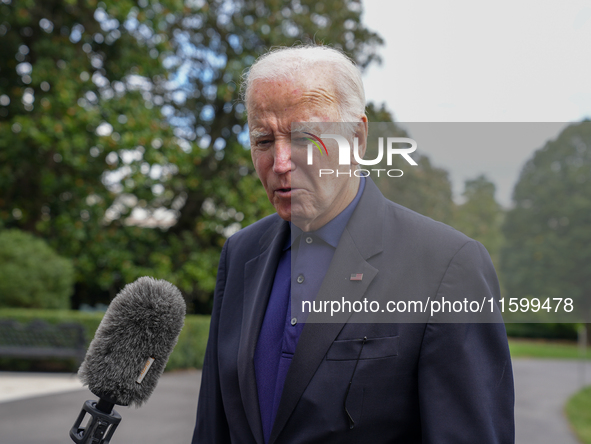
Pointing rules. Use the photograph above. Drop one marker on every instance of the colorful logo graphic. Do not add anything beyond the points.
(316, 143)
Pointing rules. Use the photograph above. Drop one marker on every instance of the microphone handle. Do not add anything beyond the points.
(100, 428)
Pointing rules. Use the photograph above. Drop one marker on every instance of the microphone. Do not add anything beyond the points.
(128, 354)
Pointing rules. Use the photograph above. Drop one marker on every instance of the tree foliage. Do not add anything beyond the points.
(122, 136)
(78, 126)
(481, 216)
(32, 275)
(548, 232)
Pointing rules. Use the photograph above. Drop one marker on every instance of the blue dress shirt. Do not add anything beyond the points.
(301, 269)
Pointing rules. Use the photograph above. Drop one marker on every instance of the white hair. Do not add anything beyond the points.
(290, 62)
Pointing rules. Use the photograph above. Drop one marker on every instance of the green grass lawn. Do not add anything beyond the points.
(528, 348)
(578, 411)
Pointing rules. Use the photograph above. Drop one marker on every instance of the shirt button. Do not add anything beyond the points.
(300, 278)
(294, 321)
(308, 240)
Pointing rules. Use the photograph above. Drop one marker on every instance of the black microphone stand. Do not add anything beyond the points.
(100, 428)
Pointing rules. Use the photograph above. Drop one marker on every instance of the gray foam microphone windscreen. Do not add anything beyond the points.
(133, 342)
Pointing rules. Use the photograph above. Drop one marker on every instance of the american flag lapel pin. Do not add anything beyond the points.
(356, 277)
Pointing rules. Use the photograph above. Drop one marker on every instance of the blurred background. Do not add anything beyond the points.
(124, 152)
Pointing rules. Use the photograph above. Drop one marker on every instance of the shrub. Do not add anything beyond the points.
(188, 352)
(32, 275)
(542, 331)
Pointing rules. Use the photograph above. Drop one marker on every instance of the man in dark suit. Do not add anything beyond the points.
(270, 377)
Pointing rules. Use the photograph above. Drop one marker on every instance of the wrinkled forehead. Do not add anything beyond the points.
(314, 89)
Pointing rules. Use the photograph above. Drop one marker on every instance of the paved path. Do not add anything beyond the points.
(14, 386)
(542, 386)
(167, 418)
(541, 390)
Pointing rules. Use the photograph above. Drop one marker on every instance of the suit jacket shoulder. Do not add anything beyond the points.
(382, 226)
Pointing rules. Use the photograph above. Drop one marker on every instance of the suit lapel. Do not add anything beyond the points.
(259, 274)
(361, 239)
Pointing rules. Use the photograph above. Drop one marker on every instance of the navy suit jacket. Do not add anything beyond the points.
(410, 383)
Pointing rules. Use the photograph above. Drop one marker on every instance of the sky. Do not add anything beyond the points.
(497, 62)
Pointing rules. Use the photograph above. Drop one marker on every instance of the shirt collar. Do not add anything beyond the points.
(330, 232)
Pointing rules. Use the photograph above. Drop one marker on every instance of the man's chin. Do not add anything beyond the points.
(283, 212)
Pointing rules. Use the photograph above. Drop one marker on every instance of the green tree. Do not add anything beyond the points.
(117, 116)
(32, 275)
(480, 216)
(80, 126)
(548, 232)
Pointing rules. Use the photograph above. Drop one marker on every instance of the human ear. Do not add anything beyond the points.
(360, 134)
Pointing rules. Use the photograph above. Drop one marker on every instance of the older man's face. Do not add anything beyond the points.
(293, 187)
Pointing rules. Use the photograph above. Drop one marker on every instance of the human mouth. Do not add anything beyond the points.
(283, 192)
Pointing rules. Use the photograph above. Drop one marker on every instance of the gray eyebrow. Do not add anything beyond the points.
(255, 134)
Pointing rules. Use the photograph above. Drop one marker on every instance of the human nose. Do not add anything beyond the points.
(282, 162)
